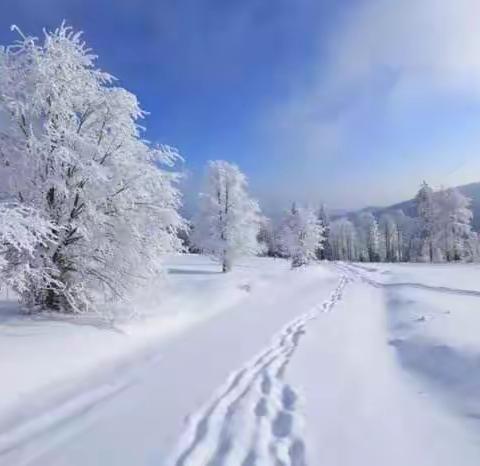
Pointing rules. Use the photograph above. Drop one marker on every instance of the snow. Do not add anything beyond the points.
(196, 292)
(335, 364)
(362, 408)
(463, 277)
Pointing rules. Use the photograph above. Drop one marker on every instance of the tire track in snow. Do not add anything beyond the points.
(254, 419)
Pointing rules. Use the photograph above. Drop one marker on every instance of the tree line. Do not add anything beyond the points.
(440, 232)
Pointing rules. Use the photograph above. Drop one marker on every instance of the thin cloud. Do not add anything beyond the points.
(387, 93)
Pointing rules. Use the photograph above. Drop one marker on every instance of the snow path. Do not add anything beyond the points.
(254, 418)
(141, 423)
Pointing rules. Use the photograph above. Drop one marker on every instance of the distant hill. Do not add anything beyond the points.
(471, 190)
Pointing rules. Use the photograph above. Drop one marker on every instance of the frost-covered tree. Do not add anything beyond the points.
(427, 214)
(441, 231)
(372, 235)
(267, 238)
(71, 150)
(406, 228)
(444, 226)
(368, 241)
(362, 221)
(343, 239)
(22, 231)
(453, 231)
(301, 235)
(325, 251)
(390, 244)
(373, 241)
(396, 230)
(228, 220)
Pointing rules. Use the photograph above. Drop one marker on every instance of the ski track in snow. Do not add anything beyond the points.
(356, 271)
(254, 419)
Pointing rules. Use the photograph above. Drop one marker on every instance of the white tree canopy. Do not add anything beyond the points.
(228, 220)
(343, 240)
(453, 230)
(302, 235)
(71, 150)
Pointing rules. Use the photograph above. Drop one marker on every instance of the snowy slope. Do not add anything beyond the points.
(334, 365)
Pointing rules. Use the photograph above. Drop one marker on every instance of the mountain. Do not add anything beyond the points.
(471, 190)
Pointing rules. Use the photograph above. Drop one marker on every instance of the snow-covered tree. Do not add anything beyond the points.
(390, 237)
(267, 238)
(444, 226)
(325, 251)
(373, 241)
(453, 231)
(368, 244)
(427, 214)
(406, 228)
(301, 235)
(396, 230)
(372, 234)
(228, 220)
(71, 150)
(22, 231)
(343, 239)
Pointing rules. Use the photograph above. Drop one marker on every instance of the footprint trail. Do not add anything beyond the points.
(255, 418)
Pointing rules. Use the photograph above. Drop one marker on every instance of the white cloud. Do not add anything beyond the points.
(435, 43)
(387, 61)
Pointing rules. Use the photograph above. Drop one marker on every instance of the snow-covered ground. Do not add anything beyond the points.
(333, 364)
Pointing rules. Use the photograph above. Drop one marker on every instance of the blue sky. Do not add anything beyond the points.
(350, 102)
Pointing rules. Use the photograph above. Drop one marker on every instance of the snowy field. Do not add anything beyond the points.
(334, 364)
